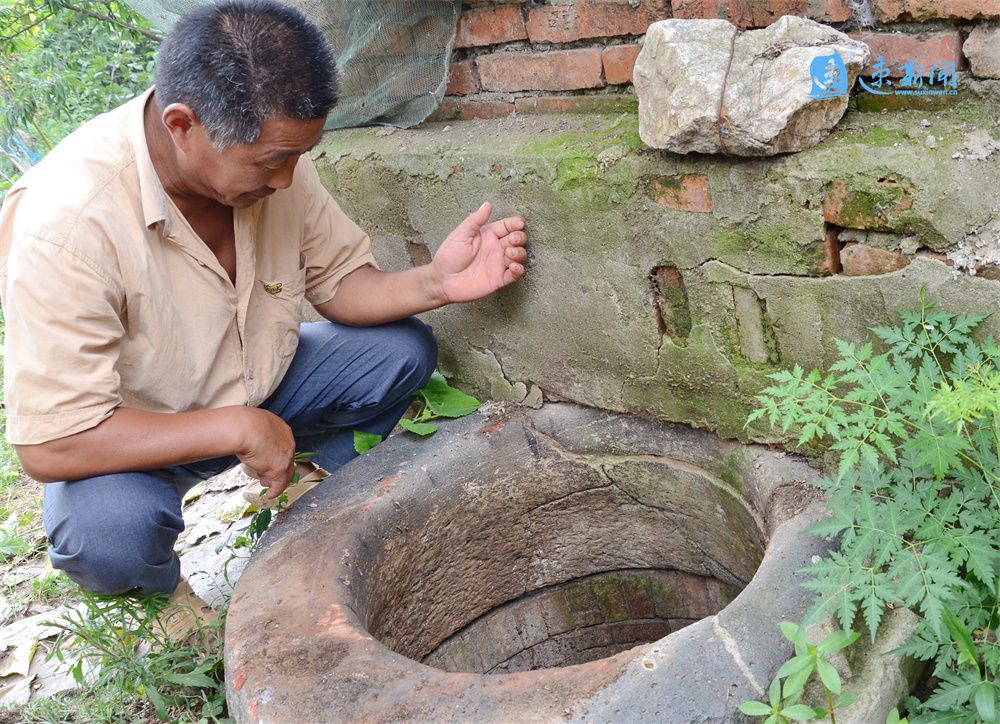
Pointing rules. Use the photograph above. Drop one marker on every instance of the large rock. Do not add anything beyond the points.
(982, 48)
(706, 87)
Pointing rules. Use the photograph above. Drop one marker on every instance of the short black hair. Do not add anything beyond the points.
(240, 62)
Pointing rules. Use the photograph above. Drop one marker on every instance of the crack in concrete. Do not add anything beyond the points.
(503, 373)
(736, 269)
(734, 650)
(596, 462)
(669, 513)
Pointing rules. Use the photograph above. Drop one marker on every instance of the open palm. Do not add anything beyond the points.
(479, 257)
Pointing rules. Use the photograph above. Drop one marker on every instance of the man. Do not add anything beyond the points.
(153, 267)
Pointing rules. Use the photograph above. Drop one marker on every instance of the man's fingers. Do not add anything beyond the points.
(512, 226)
(277, 481)
(274, 488)
(517, 253)
(473, 222)
(513, 273)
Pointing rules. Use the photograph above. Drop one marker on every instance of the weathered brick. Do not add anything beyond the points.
(750, 14)
(490, 26)
(468, 109)
(462, 79)
(889, 11)
(924, 49)
(619, 61)
(398, 40)
(591, 19)
(553, 71)
(879, 207)
(858, 260)
(673, 317)
(684, 193)
(575, 104)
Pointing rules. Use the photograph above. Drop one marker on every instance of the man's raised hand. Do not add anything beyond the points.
(479, 257)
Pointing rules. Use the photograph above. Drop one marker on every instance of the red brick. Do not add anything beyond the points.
(591, 19)
(619, 60)
(399, 40)
(490, 26)
(889, 11)
(925, 49)
(462, 79)
(881, 207)
(859, 260)
(574, 104)
(554, 70)
(468, 109)
(683, 193)
(749, 14)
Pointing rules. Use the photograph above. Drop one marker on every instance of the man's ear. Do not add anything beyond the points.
(181, 123)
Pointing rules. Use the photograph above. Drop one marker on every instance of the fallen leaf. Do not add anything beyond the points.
(234, 507)
(194, 493)
(17, 692)
(20, 639)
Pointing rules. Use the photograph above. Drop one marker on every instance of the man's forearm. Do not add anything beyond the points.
(136, 440)
(368, 296)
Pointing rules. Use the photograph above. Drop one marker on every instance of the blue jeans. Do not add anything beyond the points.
(116, 533)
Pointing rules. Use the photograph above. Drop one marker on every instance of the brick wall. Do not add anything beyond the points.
(544, 56)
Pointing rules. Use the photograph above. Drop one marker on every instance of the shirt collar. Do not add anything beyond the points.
(155, 207)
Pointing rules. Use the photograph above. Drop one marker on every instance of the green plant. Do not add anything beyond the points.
(809, 659)
(914, 501)
(53, 588)
(64, 61)
(436, 399)
(16, 535)
(121, 644)
(260, 521)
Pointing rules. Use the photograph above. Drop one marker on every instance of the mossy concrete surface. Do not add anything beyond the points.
(616, 259)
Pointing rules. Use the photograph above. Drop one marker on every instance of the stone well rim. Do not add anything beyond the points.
(277, 630)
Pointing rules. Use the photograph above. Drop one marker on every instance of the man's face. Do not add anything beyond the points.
(241, 175)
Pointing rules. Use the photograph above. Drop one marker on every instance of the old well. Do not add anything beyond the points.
(532, 564)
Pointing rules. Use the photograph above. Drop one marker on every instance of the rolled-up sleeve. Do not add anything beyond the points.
(63, 333)
(333, 246)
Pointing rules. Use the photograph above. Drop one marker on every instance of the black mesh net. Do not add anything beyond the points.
(392, 54)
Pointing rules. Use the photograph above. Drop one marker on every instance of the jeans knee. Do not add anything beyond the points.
(424, 350)
(414, 348)
(110, 572)
(116, 550)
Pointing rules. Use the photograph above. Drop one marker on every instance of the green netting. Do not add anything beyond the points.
(392, 54)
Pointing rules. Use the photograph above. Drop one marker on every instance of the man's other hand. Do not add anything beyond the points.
(480, 257)
(268, 449)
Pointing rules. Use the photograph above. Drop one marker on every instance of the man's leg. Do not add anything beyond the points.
(116, 533)
(351, 378)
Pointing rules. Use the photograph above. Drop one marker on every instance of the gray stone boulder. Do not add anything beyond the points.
(982, 48)
(706, 87)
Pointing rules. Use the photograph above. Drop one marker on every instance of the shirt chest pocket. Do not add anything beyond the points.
(278, 310)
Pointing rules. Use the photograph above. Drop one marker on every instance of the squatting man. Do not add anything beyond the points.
(152, 268)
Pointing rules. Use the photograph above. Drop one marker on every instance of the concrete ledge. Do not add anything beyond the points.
(672, 285)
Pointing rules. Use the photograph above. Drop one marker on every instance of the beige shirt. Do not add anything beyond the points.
(110, 298)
